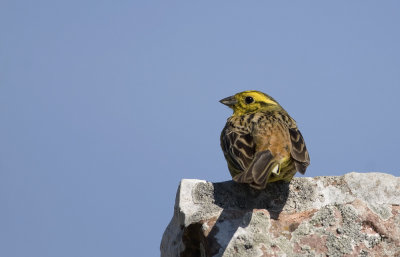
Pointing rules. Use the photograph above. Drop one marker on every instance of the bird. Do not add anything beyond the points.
(261, 142)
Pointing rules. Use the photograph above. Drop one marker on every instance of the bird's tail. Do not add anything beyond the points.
(259, 170)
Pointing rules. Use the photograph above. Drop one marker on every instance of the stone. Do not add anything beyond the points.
(357, 214)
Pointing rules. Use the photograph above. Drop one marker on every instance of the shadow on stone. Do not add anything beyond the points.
(238, 202)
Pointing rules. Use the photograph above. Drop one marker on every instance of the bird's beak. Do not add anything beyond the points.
(229, 101)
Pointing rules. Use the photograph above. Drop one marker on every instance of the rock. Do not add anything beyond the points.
(357, 214)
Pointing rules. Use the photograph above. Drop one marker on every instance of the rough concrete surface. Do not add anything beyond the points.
(357, 214)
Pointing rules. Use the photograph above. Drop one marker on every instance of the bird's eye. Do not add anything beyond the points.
(249, 100)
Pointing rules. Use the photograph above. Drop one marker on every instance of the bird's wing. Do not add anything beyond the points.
(299, 151)
(238, 148)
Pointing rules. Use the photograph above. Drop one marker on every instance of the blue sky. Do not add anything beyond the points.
(106, 105)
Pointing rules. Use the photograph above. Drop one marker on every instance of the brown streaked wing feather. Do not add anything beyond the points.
(299, 151)
(239, 148)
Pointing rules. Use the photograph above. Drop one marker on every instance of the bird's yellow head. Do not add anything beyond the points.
(249, 102)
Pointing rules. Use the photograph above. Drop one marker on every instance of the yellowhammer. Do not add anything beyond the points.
(261, 142)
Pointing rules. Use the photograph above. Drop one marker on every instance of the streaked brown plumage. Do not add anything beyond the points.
(261, 142)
